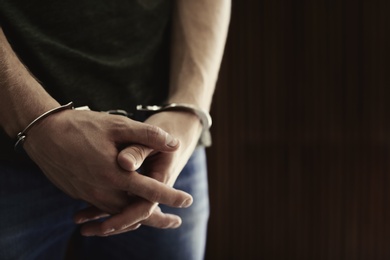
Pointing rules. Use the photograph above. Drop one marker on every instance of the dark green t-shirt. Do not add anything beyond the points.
(104, 54)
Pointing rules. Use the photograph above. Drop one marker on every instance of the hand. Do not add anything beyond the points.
(163, 166)
(77, 151)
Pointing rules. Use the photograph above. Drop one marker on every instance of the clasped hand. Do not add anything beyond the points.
(94, 156)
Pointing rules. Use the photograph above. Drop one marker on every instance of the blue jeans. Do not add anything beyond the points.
(36, 220)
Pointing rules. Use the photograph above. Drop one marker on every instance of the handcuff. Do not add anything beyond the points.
(204, 117)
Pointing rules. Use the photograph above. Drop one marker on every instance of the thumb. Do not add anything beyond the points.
(148, 135)
(132, 157)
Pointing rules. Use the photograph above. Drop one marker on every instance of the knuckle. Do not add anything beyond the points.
(130, 226)
(147, 213)
(118, 124)
(117, 178)
(155, 196)
(118, 121)
(125, 181)
(134, 227)
(153, 134)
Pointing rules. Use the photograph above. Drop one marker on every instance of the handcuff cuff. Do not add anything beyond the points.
(204, 117)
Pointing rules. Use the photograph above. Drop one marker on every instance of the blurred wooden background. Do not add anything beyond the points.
(300, 167)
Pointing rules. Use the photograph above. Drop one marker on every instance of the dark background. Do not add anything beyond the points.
(299, 168)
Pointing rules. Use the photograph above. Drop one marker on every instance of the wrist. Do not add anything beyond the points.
(203, 118)
(21, 136)
(202, 115)
(17, 116)
(197, 100)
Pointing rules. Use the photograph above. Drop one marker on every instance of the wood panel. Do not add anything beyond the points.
(299, 168)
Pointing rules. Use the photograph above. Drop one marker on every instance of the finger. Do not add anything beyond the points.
(148, 135)
(89, 214)
(131, 228)
(122, 223)
(132, 157)
(158, 219)
(130, 216)
(162, 220)
(154, 191)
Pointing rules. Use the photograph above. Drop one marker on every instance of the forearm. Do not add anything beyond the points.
(22, 98)
(198, 40)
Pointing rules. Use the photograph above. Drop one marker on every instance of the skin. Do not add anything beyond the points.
(199, 35)
(75, 163)
(107, 179)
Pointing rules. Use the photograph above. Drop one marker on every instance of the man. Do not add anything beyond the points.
(107, 55)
